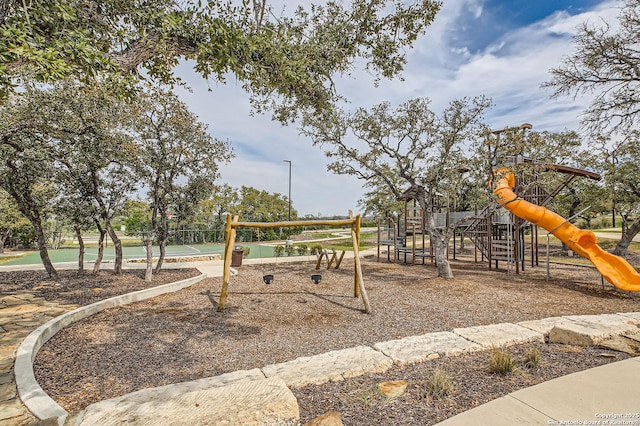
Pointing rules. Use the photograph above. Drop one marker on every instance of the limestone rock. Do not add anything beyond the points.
(330, 418)
(393, 389)
(624, 344)
(590, 330)
(247, 402)
(426, 347)
(330, 366)
(503, 334)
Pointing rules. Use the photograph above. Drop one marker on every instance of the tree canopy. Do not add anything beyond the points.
(177, 162)
(605, 63)
(409, 149)
(286, 59)
(621, 163)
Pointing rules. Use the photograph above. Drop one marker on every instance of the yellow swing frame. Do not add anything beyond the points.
(230, 238)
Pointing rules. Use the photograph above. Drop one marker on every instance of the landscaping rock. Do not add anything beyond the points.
(331, 418)
(499, 335)
(544, 325)
(330, 366)
(250, 402)
(590, 330)
(393, 389)
(425, 347)
(625, 344)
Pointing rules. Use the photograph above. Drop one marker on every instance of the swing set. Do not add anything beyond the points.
(230, 237)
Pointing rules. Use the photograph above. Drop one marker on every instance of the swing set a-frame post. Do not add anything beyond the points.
(230, 238)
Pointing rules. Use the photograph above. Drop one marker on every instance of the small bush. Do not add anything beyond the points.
(289, 249)
(532, 357)
(501, 362)
(302, 249)
(316, 249)
(600, 222)
(582, 224)
(440, 384)
(278, 251)
(246, 250)
(370, 396)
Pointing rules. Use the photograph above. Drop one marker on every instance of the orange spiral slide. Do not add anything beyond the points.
(614, 269)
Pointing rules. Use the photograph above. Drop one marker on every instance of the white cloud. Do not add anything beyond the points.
(510, 71)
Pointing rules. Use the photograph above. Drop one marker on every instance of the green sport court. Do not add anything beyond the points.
(71, 254)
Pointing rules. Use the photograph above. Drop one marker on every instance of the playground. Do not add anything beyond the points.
(271, 311)
(180, 336)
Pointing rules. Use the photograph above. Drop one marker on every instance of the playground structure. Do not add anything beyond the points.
(233, 224)
(497, 236)
(330, 260)
(500, 236)
(614, 269)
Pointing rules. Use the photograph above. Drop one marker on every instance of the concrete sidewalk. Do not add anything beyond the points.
(606, 395)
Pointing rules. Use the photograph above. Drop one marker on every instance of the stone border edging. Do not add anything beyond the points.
(33, 397)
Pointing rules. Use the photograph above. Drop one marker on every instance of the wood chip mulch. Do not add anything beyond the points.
(180, 336)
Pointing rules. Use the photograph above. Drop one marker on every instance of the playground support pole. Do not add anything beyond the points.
(548, 270)
(356, 257)
(378, 240)
(230, 241)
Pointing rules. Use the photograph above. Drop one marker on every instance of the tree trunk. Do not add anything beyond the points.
(440, 252)
(148, 273)
(42, 247)
(103, 233)
(627, 237)
(3, 237)
(164, 235)
(80, 249)
(440, 242)
(117, 245)
(163, 253)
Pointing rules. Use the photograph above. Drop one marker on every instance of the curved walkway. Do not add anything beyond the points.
(262, 396)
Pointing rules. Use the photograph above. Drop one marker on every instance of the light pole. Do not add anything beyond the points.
(289, 161)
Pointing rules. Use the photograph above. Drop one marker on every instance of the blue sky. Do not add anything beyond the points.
(501, 49)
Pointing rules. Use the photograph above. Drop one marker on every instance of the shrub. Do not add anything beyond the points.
(532, 357)
(600, 222)
(278, 251)
(316, 249)
(440, 384)
(302, 249)
(245, 250)
(581, 223)
(501, 362)
(289, 249)
(370, 396)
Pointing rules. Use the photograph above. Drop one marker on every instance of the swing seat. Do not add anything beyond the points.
(316, 278)
(268, 278)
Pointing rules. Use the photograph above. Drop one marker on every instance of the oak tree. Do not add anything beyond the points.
(286, 59)
(410, 148)
(177, 163)
(605, 64)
